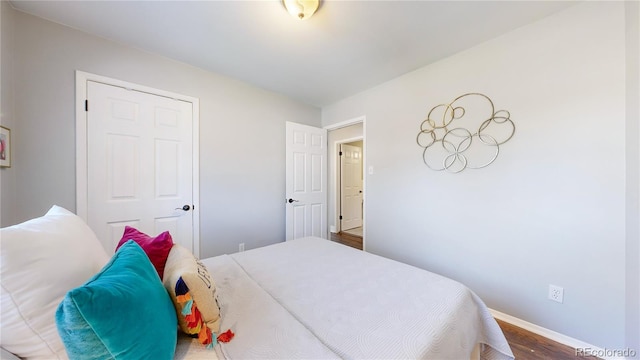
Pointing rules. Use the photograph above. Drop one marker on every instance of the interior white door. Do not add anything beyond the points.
(350, 186)
(139, 151)
(306, 181)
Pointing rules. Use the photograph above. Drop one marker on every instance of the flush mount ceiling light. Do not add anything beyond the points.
(302, 9)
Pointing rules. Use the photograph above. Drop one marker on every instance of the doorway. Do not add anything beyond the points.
(350, 187)
(351, 132)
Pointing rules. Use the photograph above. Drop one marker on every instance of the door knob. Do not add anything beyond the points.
(185, 208)
(291, 200)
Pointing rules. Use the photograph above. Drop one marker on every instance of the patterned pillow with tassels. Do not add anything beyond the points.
(188, 308)
(194, 296)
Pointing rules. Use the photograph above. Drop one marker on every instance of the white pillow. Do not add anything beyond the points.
(40, 261)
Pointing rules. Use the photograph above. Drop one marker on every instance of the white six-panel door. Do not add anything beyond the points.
(306, 181)
(351, 186)
(139, 164)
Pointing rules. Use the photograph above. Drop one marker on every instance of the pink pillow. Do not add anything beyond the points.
(157, 248)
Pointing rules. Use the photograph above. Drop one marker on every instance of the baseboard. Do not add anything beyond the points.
(552, 335)
(332, 229)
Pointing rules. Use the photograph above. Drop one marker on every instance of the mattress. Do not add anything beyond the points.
(315, 299)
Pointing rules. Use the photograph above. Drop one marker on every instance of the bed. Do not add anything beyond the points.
(312, 298)
(308, 298)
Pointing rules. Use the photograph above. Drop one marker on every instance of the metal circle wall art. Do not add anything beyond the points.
(464, 134)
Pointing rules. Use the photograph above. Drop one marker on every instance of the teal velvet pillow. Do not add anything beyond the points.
(123, 312)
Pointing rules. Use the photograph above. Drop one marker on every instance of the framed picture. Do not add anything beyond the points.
(5, 147)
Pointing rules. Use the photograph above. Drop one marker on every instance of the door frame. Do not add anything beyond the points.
(82, 198)
(333, 182)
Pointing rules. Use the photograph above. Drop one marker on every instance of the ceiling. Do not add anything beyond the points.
(345, 48)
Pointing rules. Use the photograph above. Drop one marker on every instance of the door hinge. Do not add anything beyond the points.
(340, 217)
(86, 105)
(340, 153)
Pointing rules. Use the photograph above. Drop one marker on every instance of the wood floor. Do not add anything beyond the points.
(529, 346)
(524, 344)
(347, 239)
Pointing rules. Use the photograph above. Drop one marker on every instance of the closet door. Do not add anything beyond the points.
(139, 164)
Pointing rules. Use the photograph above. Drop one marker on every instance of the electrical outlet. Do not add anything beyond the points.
(241, 247)
(556, 293)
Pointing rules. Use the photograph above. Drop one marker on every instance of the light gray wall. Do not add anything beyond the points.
(550, 209)
(242, 131)
(7, 175)
(633, 175)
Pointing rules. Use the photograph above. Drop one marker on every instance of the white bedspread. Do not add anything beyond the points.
(263, 328)
(312, 298)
